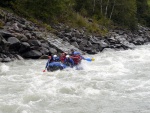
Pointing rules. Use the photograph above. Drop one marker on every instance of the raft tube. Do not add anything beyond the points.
(53, 66)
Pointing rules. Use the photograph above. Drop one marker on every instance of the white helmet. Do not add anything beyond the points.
(55, 56)
(67, 56)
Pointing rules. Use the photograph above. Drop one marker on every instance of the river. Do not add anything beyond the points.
(116, 82)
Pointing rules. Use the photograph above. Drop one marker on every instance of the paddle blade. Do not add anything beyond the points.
(93, 59)
(44, 70)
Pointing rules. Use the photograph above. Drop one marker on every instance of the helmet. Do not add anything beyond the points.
(55, 56)
(67, 56)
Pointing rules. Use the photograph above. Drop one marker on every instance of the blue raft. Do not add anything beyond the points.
(53, 66)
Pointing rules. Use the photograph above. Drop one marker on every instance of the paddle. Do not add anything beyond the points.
(44, 70)
(89, 59)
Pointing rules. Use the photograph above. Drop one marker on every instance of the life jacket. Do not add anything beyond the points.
(69, 62)
(77, 59)
(62, 59)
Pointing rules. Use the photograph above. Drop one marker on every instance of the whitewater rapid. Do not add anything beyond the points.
(116, 82)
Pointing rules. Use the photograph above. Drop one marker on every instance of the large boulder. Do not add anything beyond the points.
(45, 44)
(75, 44)
(34, 42)
(13, 40)
(7, 59)
(53, 51)
(6, 34)
(32, 54)
(24, 47)
(44, 50)
(138, 40)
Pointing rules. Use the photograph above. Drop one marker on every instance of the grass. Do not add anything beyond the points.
(148, 2)
(78, 21)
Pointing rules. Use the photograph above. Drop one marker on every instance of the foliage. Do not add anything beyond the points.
(125, 13)
(143, 10)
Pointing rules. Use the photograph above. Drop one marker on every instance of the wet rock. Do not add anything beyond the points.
(44, 57)
(1, 59)
(103, 44)
(18, 57)
(7, 59)
(32, 54)
(138, 41)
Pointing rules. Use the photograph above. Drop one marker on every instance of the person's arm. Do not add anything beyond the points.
(72, 62)
(82, 57)
(47, 64)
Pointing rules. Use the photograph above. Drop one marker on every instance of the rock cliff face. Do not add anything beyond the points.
(116, 39)
(20, 39)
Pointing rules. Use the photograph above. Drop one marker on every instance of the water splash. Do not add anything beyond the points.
(4, 68)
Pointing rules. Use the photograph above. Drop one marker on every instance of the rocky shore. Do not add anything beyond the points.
(22, 39)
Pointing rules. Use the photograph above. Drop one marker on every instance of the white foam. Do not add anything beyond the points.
(4, 68)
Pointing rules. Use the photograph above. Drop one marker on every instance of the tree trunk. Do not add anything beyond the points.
(94, 6)
(101, 4)
(106, 8)
(112, 10)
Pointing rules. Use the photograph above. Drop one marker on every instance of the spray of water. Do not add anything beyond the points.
(116, 82)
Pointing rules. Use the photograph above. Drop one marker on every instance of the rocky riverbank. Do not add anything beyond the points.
(22, 39)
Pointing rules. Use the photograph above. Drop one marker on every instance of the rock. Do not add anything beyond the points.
(1, 38)
(24, 39)
(66, 39)
(44, 57)
(138, 41)
(84, 42)
(6, 34)
(53, 51)
(75, 44)
(28, 35)
(1, 59)
(34, 42)
(46, 45)
(32, 54)
(20, 36)
(7, 59)
(13, 40)
(18, 57)
(73, 39)
(90, 50)
(24, 47)
(103, 44)
(44, 51)
(4, 42)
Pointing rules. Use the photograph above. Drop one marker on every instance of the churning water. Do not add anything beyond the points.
(116, 82)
